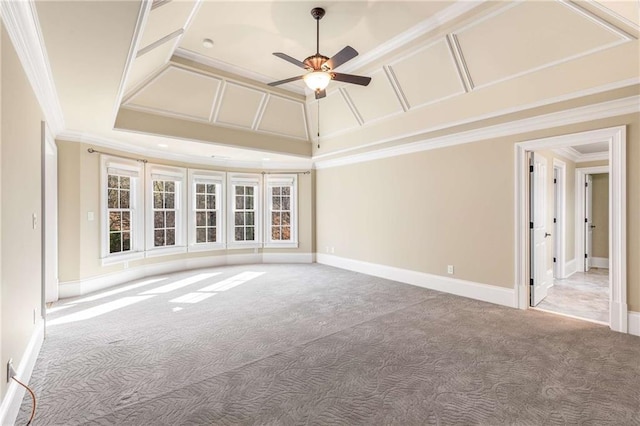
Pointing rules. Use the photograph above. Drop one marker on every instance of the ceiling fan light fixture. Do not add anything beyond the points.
(317, 80)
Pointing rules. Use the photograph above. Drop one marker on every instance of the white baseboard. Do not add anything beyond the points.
(634, 323)
(569, 268)
(13, 398)
(484, 292)
(89, 285)
(600, 262)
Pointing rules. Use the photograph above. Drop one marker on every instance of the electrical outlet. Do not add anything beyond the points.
(450, 269)
(10, 370)
(333, 250)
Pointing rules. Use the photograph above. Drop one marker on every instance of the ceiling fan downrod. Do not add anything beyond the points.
(317, 13)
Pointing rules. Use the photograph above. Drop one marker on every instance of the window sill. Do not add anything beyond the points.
(114, 259)
(240, 246)
(165, 251)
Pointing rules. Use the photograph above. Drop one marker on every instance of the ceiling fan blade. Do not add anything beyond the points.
(288, 80)
(288, 58)
(341, 57)
(321, 94)
(353, 79)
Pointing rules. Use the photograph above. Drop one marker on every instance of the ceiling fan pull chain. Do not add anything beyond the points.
(318, 123)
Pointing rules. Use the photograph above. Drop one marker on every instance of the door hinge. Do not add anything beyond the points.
(555, 181)
(530, 225)
(554, 260)
(586, 220)
(585, 256)
(530, 281)
(554, 220)
(530, 169)
(586, 184)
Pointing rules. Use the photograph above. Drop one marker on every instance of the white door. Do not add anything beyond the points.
(556, 214)
(588, 222)
(538, 230)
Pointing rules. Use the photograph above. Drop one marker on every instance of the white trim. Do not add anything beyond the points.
(634, 323)
(602, 23)
(100, 282)
(290, 180)
(21, 22)
(577, 157)
(570, 268)
(617, 216)
(13, 397)
(88, 138)
(581, 174)
(613, 14)
(473, 290)
(577, 115)
(600, 262)
(560, 241)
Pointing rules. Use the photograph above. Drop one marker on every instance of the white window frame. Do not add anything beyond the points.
(244, 179)
(134, 170)
(179, 176)
(207, 177)
(280, 180)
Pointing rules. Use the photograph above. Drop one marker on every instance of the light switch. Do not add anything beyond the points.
(90, 216)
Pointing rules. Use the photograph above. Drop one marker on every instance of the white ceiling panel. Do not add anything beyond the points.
(529, 36)
(165, 19)
(147, 64)
(428, 74)
(284, 116)
(179, 91)
(239, 105)
(375, 101)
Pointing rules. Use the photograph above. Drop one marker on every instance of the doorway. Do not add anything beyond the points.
(529, 235)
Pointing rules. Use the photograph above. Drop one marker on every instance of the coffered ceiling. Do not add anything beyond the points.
(144, 65)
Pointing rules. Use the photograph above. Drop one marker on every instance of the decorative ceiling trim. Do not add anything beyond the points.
(223, 92)
(160, 42)
(610, 12)
(81, 137)
(351, 105)
(461, 65)
(598, 20)
(21, 22)
(439, 19)
(226, 67)
(579, 94)
(578, 157)
(141, 21)
(623, 38)
(395, 85)
(302, 105)
(577, 115)
(260, 111)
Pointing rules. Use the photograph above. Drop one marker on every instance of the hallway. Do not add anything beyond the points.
(583, 294)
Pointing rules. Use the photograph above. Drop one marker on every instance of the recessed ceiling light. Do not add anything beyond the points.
(208, 43)
(163, 145)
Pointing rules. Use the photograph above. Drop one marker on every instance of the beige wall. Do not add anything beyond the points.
(20, 188)
(600, 203)
(79, 193)
(453, 205)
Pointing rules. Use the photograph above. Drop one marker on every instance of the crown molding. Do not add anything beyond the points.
(432, 23)
(87, 138)
(572, 116)
(577, 157)
(21, 22)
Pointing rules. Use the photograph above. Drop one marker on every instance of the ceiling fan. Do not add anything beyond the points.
(321, 68)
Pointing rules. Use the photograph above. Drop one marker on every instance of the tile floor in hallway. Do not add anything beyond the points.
(583, 294)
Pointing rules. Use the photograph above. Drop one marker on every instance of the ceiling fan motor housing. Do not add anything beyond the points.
(316, 61)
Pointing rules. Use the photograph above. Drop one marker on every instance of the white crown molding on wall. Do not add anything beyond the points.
(577, 115)
(81, 137)
(21, 22)
(577, 157)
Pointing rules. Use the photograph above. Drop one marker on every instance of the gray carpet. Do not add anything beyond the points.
(310, 344)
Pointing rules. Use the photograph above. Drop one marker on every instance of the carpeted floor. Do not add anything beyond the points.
(311, 344)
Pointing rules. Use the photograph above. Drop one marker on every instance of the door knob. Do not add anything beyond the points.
(593, 226)
(546, 234)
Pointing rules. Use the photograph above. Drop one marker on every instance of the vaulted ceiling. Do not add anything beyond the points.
(138, 74)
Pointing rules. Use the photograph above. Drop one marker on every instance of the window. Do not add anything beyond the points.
(165, 219)
(282, 211)
(244, 211)
(121, 217)
(206, 204)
